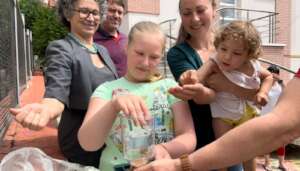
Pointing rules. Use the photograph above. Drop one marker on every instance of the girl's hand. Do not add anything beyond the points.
(261, 99)
(133, 107)
(33, 116)
(161, 152)
(189, 77)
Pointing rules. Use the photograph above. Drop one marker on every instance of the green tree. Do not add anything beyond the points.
(44, 24)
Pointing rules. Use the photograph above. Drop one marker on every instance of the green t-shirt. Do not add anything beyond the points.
(158, 101)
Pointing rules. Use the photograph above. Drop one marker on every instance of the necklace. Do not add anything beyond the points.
(92, 49)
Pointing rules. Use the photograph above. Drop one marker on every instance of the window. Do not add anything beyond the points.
(229, 13)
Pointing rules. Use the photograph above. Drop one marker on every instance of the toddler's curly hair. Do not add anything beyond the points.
(244, 30)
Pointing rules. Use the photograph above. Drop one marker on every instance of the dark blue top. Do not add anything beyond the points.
(180, 58)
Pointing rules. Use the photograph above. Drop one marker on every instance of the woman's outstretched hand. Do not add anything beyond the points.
(33, 116)
(188, 91)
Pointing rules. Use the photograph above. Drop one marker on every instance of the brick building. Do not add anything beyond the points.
(278, 23)
(276, 20)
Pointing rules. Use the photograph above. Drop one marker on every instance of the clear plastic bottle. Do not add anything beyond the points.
(138, 142)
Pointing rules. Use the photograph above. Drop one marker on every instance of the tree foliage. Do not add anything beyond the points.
(44, 24)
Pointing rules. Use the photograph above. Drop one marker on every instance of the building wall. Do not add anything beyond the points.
(265, 5)
(168, 9)
(283, 7)
(275, 55)
(132, 18)
(295, 26)
(150, 10)
(260, 5)
(143, 6)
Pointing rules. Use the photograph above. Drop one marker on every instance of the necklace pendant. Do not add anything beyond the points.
(92, 50)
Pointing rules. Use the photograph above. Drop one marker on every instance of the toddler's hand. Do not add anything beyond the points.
(261, 99)
(134, 107)
(189, 77)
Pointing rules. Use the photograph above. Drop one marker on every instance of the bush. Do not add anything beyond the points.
(44, 24)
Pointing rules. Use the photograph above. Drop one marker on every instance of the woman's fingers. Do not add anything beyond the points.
(186, 92)
(32, 116)
(15, 111)
(35, 122)
(181, 95)
(19, 114)
(27, 122)
(44, 119)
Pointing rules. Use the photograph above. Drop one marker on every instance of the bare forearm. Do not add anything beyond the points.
(257, 136)
(95, 129)
(179, 145)
(54, 106)
(240, 144)
(267, 84)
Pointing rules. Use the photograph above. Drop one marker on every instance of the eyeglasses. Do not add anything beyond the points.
(85, 13)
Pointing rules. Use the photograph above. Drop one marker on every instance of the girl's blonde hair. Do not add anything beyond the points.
(182, 34)
(241, 30)
(148, 27)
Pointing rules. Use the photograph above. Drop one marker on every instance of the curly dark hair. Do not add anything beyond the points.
(64, 10)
